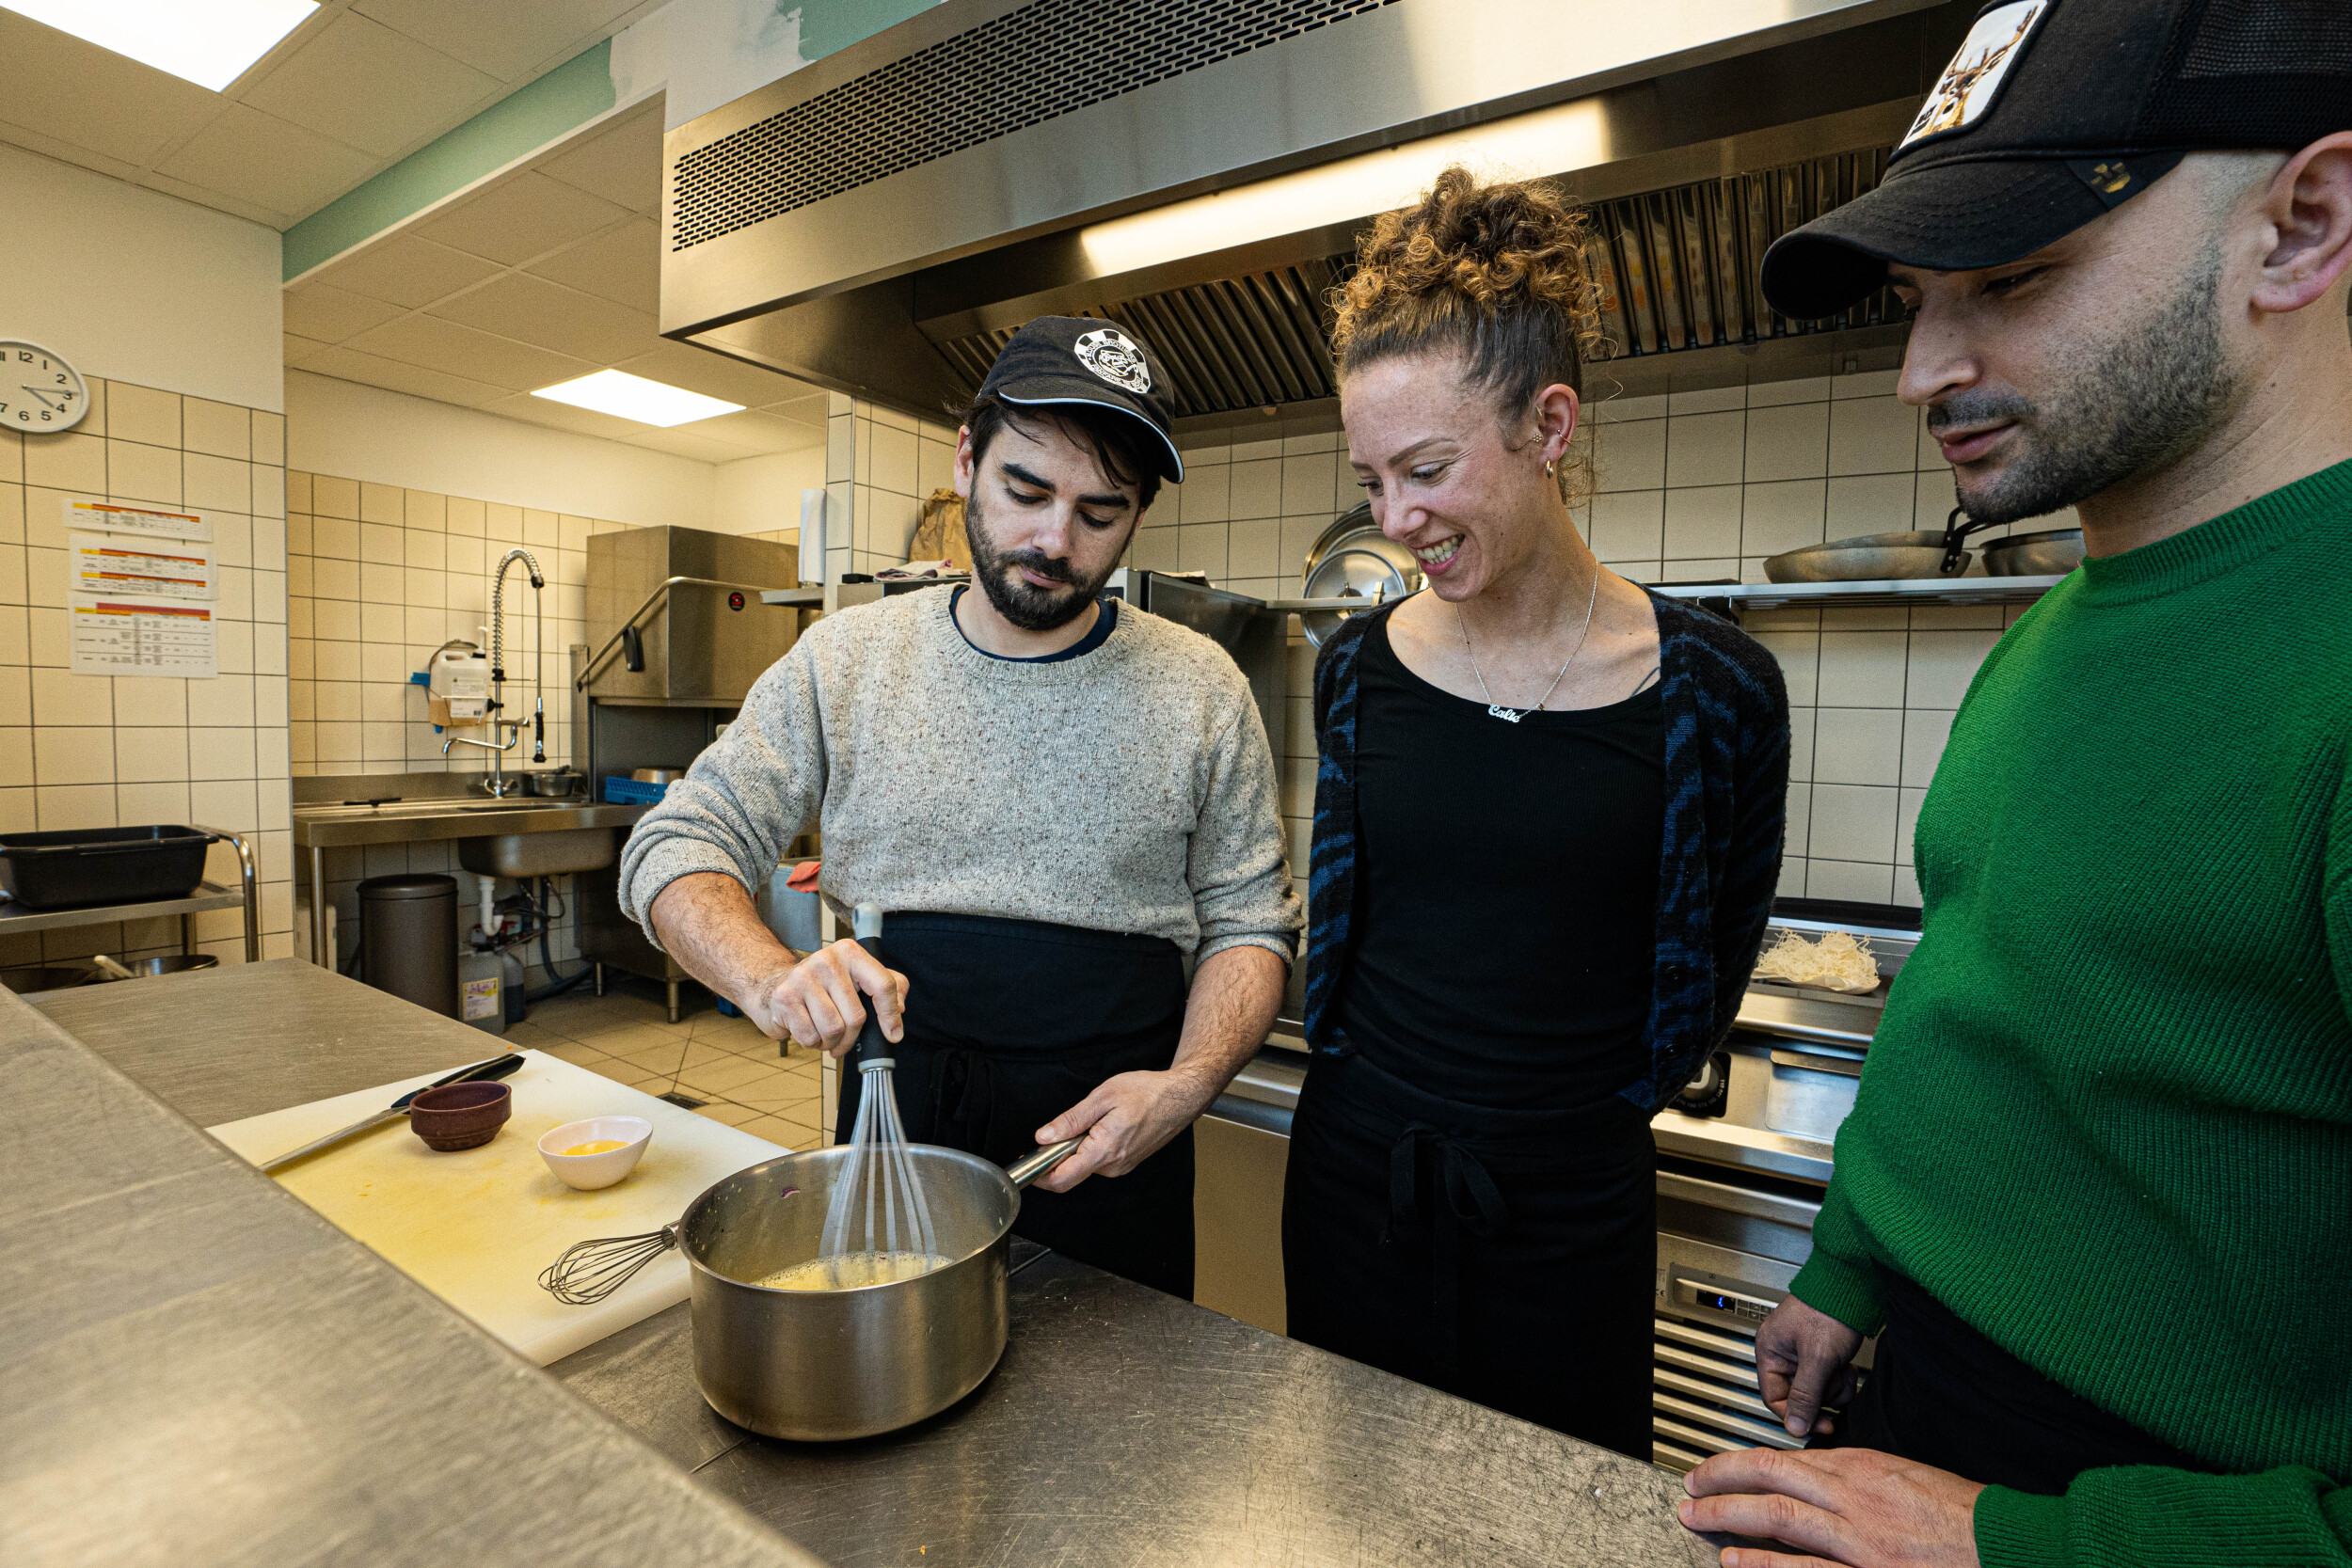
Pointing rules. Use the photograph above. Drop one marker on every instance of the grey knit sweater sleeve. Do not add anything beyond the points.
(1131, 790)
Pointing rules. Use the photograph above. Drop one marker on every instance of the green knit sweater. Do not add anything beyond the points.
(2108, 1119)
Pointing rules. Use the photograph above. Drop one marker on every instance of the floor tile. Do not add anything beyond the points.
(629, 1040)
(777, 1131)
(656, 1058)
(699, 1055)
(718, 1077)
(578, 1055)
(531, 1037)
(733, 1114)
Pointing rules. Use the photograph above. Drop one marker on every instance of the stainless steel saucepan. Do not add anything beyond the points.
(823, 1366)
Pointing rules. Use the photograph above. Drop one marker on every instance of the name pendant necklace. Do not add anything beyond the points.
(1509, 715)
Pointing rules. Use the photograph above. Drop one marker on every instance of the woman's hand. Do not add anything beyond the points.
(819, 1001)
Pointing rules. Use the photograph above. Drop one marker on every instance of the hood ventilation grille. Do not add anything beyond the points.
(1027, 65)
(1674, 270)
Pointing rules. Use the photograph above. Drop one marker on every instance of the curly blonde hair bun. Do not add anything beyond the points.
(1492, 271)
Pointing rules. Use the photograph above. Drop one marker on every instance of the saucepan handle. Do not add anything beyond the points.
(1029, 1167)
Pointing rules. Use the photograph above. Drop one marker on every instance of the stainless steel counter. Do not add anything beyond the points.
(221, 1044)
(329, 827)
(202, 1372)
(1126, 1426)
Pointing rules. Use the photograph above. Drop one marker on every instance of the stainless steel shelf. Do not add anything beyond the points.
(206, 896)
(794, 596)
(1884, 592)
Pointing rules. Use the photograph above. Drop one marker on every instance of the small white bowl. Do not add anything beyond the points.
(589, 1172)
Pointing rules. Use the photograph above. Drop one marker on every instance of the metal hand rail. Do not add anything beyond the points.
(596, 661)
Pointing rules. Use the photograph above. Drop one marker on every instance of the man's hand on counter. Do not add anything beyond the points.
(1840, 1507)
(819, 1000)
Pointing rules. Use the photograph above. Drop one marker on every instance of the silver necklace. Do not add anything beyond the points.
(1509, 715)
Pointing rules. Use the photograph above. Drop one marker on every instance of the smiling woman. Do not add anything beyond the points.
(1547, 827)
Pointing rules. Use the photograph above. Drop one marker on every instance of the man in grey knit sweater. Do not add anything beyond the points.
(1055, 796)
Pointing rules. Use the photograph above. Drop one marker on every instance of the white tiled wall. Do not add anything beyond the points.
(878, 465)
(95, 750)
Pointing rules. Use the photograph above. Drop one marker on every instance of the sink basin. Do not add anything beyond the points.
(516, 856)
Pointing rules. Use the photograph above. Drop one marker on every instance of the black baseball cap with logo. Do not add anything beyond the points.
(2057, 111)
(1070, 359)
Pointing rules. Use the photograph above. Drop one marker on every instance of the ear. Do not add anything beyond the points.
(2308, 205)
(1557, 413)
(964, 472)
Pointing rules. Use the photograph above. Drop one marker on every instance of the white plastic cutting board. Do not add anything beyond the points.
(477, 1227)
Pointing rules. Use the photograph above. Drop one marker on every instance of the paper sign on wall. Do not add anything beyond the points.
(109, 518)
(142, 637)
(157, 568)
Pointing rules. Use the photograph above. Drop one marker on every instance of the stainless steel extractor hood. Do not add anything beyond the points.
(1198, 170)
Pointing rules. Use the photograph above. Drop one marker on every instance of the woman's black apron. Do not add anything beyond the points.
(1009, 1024)
(1503, 1256)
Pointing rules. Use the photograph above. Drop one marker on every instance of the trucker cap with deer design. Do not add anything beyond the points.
(2055, 111)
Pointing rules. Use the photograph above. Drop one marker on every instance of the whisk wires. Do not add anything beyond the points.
(877, 1206)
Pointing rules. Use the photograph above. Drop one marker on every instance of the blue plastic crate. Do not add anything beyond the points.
(633, 792)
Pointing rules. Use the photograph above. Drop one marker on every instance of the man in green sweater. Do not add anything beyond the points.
(2096, 1194)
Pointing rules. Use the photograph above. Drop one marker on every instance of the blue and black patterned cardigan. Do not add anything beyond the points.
(1726, 722)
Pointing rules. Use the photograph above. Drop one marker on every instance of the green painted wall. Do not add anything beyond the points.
(529, 119)
(830, 24)
(565, 99)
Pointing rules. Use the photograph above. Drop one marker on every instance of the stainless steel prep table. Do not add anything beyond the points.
(1126, 1426)
(322, 825)
(202, 1372)
(223, 1044)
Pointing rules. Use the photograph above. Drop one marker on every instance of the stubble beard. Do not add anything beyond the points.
(2135, 405)
(1026, 606)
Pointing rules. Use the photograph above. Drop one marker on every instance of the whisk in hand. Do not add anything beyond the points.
(878, 1224)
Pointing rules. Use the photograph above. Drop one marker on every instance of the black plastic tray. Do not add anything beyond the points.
(102, 865)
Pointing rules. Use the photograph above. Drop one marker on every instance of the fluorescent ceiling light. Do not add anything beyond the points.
(210, 42)
(1545, 141)
(632, 397)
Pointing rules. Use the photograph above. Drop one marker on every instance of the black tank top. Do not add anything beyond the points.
(1507, 878)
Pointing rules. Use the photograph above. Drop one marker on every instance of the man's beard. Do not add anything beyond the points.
(1026, 606)
(2134, 405)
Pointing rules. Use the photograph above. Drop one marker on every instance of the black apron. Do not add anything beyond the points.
(1009, 1024)
(1503, 1256)
(1939, 1392)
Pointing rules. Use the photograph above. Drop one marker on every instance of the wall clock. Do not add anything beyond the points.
(39, 391)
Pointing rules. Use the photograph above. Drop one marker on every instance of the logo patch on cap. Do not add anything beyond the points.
(1115, 357)
(1973, 80)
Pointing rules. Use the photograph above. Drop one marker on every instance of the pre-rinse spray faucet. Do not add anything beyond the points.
(499, 743)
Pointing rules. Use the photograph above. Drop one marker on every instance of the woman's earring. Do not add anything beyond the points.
(1547, 467)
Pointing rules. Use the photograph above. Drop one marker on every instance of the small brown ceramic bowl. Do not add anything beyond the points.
(460, 1116)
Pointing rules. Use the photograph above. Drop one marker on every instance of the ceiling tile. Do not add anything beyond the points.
(265, 160)
(508, 40)
(455, 350)
(698, 370)
(682, 441)
(623, 265)
(521, 218)
(408, 270)
(534, 311)
(219, 201)
(299, 348)
(368, 371)
(806, 404)
(54, 83)
(622, 165)
(758, 432)
(321, 310)
(366, 85)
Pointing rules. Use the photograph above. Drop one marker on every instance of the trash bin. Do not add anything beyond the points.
(409, 939)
